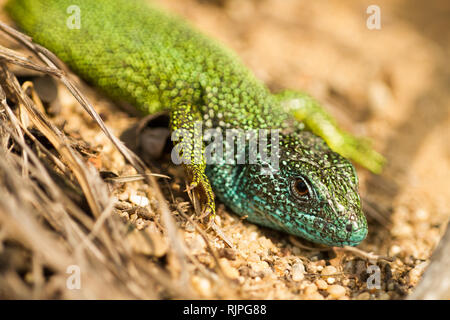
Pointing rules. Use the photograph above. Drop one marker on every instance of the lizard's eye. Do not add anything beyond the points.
(300, 188)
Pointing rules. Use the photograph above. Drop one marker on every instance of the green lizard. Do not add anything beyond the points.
(155, 61)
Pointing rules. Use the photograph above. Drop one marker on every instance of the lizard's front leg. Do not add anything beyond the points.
(306, 109)
(186, 126)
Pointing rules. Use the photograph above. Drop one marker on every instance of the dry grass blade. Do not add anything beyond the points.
(51, 61)
(92, 190)
(135, 177)
(48, 226)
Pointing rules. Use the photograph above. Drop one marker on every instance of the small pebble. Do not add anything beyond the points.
(329, 270)
(254, 246)
(140, 224)
(197, 244)
(321, 263)
(139, 200)
(298, 271)
(228, 253)
(124, 196)
(201, 285)
(124, 214)
(415, 274)
(253, 236)
(421, 215)
(321, 284)
(280, 267)
(310, 289)
(230, 271)
(122, 205)
(363, 296)
(331, 280)
(260, 267)
(254, 257)
(394, 250)
(336, 291)
(296, 251)
(314, 296)
(402, 230)
(265, 242)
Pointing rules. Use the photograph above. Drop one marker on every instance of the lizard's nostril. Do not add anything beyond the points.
(349, 227)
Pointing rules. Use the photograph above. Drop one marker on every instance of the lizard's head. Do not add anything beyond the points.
(313, 194)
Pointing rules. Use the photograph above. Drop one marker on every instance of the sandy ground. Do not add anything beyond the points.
(390, 85)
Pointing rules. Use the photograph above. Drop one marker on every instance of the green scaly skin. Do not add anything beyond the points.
(155, 61)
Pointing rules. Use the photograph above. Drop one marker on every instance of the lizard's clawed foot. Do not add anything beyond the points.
(201, 186)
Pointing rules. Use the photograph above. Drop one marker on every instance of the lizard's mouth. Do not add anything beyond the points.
(354, 238)
(319, 230)
(340, 234)
(316, 229)
(357, 236)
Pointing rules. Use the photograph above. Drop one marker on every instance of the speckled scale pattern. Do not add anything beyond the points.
(270, 203)
(155, 61)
